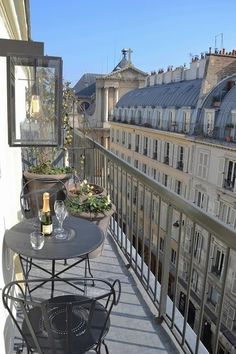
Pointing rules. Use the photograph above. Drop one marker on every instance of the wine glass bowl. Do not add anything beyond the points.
(61, 213)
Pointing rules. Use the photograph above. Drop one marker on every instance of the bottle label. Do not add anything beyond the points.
(47, 229)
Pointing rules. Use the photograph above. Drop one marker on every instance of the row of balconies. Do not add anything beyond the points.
(197, 129)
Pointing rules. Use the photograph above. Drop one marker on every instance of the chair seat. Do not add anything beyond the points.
(82, 338)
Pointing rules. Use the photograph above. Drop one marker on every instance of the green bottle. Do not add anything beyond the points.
(46, 217)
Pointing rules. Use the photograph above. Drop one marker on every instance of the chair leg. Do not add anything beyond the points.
(89, 270)
(106, 348)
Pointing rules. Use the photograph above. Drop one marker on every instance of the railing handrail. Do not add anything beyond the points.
(197, 215)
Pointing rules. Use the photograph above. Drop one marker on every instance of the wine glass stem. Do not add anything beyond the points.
(60, 225)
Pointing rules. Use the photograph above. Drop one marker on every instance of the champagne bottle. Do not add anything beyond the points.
(46, 217)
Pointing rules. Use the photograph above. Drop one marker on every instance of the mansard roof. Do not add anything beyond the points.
(225, 93)
(86, 85)
(178, 94)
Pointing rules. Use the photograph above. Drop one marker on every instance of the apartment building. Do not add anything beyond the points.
(180, 131)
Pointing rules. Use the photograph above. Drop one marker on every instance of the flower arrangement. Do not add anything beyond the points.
(84, 188)
(93, 204)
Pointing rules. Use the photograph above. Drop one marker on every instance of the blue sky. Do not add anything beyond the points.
(89, 35)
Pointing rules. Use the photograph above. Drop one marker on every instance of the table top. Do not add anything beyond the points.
(83, 238)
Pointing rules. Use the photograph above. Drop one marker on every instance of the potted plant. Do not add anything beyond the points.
(95, 208)
(82, 189)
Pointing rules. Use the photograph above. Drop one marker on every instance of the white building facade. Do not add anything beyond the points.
(180, 131)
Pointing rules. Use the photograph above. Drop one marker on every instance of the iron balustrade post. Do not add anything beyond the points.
(204, 293)
(193, 235)
(221, 302)
(143, 230)
(177, 270)
(166, 264)
(137, 227)
(157, 249)
(150, 240)
(131, 223)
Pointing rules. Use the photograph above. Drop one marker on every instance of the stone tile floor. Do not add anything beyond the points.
(133, 327)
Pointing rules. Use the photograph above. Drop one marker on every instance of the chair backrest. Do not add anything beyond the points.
(31, 197)
(64, 323)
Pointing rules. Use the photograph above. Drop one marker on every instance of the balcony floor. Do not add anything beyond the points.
(133, 328)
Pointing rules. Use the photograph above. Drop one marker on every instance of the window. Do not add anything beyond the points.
(178, 187)
(145, 146)
(162, 244)
(202, 164)
(129, 159)
(136, 163)
(154, 173)
(198, 246)
(129, 140)
(229, 182)
(201, 199)
(144, 168)
(112, 135)
(155, 146)
(213, 296)
(233, 287)
(165, 179)
(159, 119)
(180, 162)
(194, 280)
(123, 138)
(137, 141)
(209, 119)
(186, 122)
(224, 212)
(217, 261)
(167, 153)
(228, 317)
(117, 136)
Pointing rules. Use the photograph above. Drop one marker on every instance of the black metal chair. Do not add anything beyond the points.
(70, 323)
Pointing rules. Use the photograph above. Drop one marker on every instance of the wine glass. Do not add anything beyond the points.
(61, 214)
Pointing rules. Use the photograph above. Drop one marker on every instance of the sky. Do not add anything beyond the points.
(89, 35)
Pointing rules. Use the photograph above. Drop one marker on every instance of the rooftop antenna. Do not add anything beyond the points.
(221, 42)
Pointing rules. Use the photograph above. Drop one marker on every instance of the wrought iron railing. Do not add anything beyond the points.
(182, 290)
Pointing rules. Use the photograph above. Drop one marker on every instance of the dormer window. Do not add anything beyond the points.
(209, 121)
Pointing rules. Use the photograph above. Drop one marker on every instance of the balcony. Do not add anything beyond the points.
(162, 282)
(180, 165)
(229, 185)
(145, 151)
(147, 276)
(166, 160)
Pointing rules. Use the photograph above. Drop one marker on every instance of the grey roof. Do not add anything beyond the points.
(122, 64)
(179, 94)
(86, 84)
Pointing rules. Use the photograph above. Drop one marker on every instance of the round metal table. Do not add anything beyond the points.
(83, 237)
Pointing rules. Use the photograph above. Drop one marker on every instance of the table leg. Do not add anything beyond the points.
(53, 275)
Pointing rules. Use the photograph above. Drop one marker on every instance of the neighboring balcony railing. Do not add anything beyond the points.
(182, 293)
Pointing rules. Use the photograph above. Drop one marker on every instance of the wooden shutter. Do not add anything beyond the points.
(221, 169)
